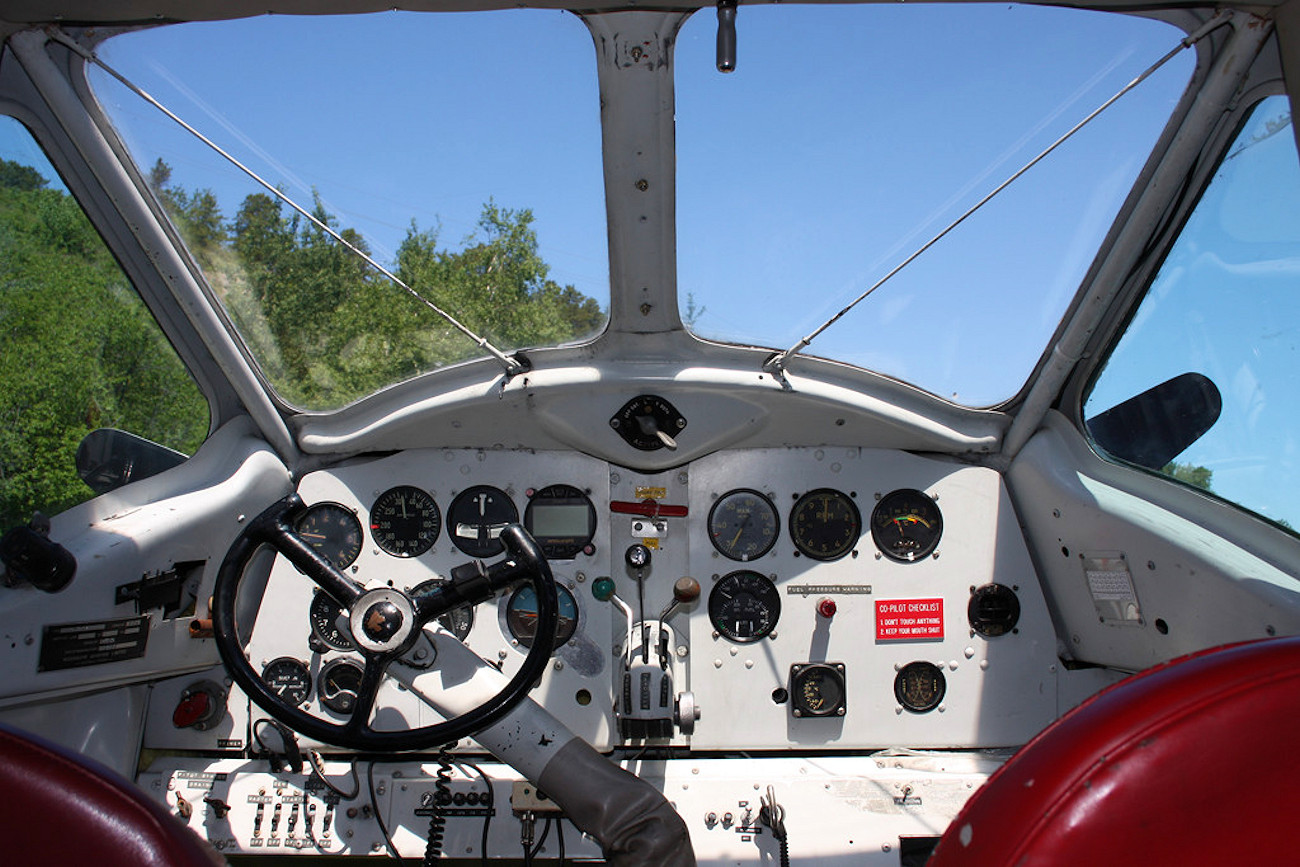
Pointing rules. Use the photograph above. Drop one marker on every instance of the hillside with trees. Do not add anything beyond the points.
(82, 352)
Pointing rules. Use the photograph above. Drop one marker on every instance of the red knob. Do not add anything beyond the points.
(826, 608)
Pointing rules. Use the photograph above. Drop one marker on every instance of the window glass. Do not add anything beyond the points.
(80, 349)
(850, 135)
(462, 151)
(1225, 306)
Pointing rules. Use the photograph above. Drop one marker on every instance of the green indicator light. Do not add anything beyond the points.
(602, 589)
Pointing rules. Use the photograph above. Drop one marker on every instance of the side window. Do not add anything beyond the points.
(1203, 384)
(79, 352)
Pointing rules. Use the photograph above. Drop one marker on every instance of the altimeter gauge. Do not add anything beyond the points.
(328, 622)
(906, 525)
(743, 525)
(405, 521)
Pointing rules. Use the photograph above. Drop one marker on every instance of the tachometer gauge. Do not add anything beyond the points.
(562, 520)
(825, 524)
(476, 518)
(458, 621)
(405, 521)
(744, 606)
(340, 681)
(328, 622)
(919, 686)
(334, 532)
(743, 525)
(521, 615)
(906, 525)
(288, 678)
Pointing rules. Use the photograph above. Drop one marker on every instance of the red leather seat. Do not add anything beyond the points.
(62, 808)
(1189, 762)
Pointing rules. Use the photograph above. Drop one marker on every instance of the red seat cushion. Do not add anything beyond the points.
(62, 808)
(1186, 763)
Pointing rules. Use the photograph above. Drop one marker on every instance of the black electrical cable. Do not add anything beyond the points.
(374, 808)
(559, 838)
(437, 818)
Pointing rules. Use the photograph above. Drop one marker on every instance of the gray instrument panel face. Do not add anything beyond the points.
(866, 615)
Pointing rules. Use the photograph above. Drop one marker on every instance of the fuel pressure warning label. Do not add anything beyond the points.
(909, 619)
(73, 645)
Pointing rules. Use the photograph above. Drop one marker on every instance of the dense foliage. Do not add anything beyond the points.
(329, 329)
(80, 351)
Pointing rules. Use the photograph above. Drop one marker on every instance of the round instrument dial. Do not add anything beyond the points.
(919, 686)
(333, 530)
(329, 623)
(405, 521)
(340, 682)
(476, 518)
(562, 520)
(288, 678)
(993, 610)
(825, 524)
(906, 525)
(817, 689)
(743, 525)
(521, 615)
(744, 606)
(458, 621)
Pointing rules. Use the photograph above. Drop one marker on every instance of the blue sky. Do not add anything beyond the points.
(846, 138)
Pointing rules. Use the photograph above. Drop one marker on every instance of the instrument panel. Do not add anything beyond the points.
(843, 599)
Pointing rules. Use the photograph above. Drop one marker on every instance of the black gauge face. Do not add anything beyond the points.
(817, 689)
(476, 518)
(521, 615)
(906, 525)
(405, 521)
(334, 532)
(288, 678)
(340, 681)
(329, 623)
(744, 606)
(458, 621)
(743, 525)
(920, 686)
(825, 524)
(562, 520)
(993, 610)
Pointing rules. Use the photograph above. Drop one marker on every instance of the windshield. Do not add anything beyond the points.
(849, 136)
(481, 191)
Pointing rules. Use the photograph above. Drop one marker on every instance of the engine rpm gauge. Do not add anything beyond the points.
(329, 623)
(906, 525)
(919, 686)
(825, 524)
(744, 606)
(334, 532)
(405, 521)
(476, 518)
(288, 678)
(521, 615)
(743, 525)
(340, 682)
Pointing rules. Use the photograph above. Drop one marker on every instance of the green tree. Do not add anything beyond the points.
(1198, 477)
(81, 352)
